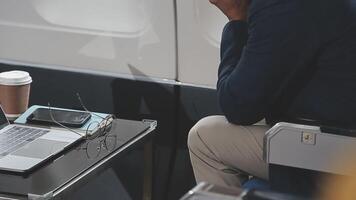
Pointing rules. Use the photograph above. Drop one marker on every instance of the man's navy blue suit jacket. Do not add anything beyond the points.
(292, 59)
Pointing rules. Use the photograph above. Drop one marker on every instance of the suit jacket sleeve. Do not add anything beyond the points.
(259, 59)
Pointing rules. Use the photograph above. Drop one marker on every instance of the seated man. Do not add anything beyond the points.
(280, 60)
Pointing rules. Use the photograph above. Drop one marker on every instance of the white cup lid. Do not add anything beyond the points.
(15, 78)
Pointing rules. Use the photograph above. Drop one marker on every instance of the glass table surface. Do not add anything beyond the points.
(73, 164)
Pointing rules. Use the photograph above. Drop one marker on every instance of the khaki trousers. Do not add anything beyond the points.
(225, 154)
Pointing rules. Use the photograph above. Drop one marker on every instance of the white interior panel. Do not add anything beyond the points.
(100, 35)
(200, 26)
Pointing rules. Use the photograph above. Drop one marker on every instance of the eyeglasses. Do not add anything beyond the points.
(94, 147)
(97, 133)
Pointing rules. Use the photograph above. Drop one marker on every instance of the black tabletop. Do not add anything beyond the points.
(72, 163)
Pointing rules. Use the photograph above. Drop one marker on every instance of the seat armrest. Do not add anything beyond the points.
(331, 127)
(338, 131)
(207, 191)
(308, 147)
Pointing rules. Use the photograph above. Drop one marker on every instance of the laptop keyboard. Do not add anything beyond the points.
(16, 137)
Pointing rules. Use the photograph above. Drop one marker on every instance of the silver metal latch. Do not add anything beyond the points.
(308, 138)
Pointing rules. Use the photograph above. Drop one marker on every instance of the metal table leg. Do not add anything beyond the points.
(148, 171)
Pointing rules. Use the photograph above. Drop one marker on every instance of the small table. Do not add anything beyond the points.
(69, 170)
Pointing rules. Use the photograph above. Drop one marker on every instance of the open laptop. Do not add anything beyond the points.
(22, 147)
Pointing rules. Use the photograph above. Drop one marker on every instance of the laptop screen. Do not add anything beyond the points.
(3, 119)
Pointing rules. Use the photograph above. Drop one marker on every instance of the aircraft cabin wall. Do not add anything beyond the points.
(120, 37)
(106, 36)
(199, 34)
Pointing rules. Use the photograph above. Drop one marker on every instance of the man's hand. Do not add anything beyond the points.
(233, 9)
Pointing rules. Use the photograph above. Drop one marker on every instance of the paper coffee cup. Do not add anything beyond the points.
(14, 92)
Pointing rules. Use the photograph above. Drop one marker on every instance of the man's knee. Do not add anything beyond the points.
(203, 128)
(193, 138)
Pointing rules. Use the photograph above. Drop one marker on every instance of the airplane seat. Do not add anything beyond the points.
(301, 156)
